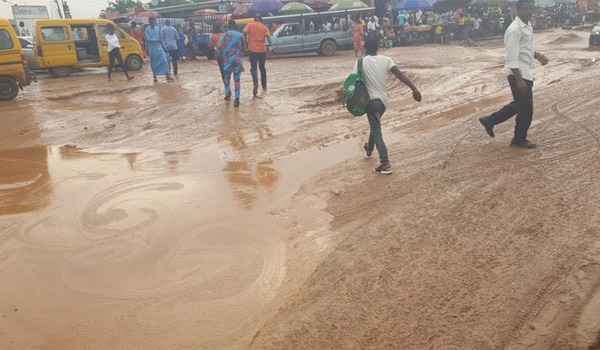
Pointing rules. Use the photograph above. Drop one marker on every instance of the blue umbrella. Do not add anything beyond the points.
(266, 6)
(414, 5)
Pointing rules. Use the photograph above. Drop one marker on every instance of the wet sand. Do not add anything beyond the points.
(157, 216)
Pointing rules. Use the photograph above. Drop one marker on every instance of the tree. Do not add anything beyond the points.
(121, 5)
(165, 3)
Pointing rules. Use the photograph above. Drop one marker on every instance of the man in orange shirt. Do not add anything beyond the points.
(256, 33)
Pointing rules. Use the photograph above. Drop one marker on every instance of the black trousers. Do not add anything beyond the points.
(522, 106)
(258, 59)
(174, 57)
(115, 54)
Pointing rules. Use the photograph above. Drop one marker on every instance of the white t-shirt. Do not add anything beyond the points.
(375, 74)
(113, 42)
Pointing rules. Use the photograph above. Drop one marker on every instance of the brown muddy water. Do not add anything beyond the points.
(157, 216)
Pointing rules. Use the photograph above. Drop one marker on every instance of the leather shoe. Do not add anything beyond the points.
(488, 127)
(522, 143)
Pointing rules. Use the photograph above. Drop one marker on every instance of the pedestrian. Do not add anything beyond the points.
(256, 33)
(518, 42)
(358, 32)
(231, 48)
(169, 38)
(180, 41)
(138, 35)
(159, 62)
(114, 52)
(22, 30)
(375, 70)
(192, 40)
(372, 28)
(214, 43)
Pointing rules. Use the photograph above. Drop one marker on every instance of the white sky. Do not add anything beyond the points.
(79, 8)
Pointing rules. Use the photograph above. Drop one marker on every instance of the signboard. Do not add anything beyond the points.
(28, 15)
(30, 12)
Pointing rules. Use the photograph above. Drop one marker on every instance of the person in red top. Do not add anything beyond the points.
(256, 33)
(214, 44)
(138, 35)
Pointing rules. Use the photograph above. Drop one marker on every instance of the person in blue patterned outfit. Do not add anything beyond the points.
(231, 47)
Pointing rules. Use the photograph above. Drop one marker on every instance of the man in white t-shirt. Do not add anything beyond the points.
(375, 70)
(114, 52)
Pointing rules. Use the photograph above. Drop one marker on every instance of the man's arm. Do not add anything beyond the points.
(511, 41)
(403, 78)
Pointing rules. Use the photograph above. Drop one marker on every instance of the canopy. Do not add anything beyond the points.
(294, 8)
(242, 11)
(414, 5)
(149, 14)
(441, 6)
(266, 6)
(347, 5)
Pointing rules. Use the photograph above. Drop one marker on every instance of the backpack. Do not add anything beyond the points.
(356, 96)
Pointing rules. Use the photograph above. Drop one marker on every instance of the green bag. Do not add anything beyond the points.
(356, 96)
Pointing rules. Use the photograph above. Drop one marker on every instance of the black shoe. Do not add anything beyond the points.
(255, 90)
(236, 103)
(522, 143)
(227, 98)
(488, 127)
(384, 169)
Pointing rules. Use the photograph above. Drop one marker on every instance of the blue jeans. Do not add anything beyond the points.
(375, 111)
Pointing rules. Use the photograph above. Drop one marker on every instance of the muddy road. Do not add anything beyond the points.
(157, 216)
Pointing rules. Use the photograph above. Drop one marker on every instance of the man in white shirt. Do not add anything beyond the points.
(518, 41)
(375, 70)
(114, 52)
(372, 28)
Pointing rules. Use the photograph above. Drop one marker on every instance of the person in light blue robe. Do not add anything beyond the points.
(158, 57)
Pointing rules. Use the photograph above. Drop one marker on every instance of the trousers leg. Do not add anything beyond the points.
(174, 58)
(263, 70)
(227, 82)
(525, 113)
(236, 81)
(253, 66)
(111, 59)
(120, 60)
(375, 111)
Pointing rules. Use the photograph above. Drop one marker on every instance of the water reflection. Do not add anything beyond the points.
(248, 181)
(25, 183)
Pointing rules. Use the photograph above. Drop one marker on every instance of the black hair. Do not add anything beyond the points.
(520, 3)
(232, 25)
(371, 45)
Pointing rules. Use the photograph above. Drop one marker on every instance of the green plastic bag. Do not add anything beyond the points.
(356, 96)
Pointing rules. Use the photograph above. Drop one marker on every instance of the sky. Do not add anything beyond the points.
(79, 8)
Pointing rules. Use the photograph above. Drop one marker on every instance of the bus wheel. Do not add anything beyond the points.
(134, 62)
(328, 48)
(60, 71)
(9, 88)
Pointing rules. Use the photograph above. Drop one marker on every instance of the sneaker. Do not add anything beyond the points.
(236, 103)
(367, 153)
(227, 98)
(488, 127)
(384, 169)
(255, 90)
(522, 143)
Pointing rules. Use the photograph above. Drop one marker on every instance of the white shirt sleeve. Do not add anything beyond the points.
(390, 63)
(512, 43)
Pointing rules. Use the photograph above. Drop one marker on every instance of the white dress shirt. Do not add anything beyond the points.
(518, 41)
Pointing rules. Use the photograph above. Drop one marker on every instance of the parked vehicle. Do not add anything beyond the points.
(296, 34)
(14, 74)
(595, 35)
(28, 50)
(63, 45)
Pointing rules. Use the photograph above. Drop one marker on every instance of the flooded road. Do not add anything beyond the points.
(157, 216)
